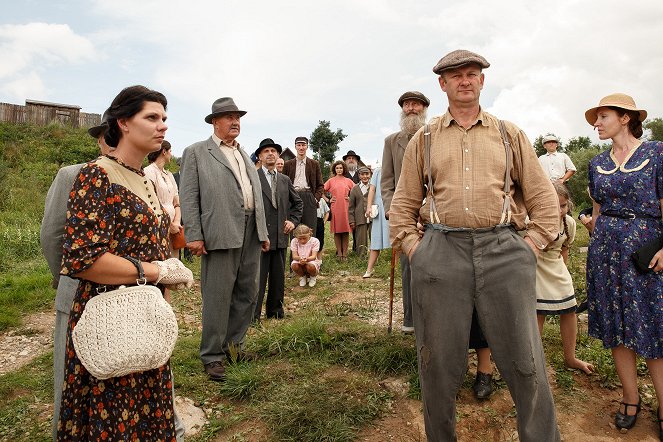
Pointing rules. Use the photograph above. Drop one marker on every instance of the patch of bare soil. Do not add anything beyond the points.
(18, 347)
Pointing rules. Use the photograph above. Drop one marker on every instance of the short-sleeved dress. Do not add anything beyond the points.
(625, 306)
(380, 224)
(554, 286)
(339, 187)
(105, 216)
(305, 250)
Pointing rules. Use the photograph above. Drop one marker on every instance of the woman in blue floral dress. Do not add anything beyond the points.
(626, 306)
(113, 216)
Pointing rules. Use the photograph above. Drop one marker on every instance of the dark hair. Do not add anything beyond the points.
(336, 163)
(152, 156)
(634, 123)
(126, 104)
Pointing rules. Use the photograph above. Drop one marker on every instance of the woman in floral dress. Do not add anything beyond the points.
(626, 306)
(112, 213)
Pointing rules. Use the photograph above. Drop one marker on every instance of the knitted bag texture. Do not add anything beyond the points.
(124, 331)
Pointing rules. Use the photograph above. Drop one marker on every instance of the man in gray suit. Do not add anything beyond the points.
(283, 211)
(413, 116)
(220, 195)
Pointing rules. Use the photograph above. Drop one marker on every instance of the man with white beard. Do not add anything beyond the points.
(413, 116)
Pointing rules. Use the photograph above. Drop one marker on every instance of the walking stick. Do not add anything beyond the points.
(391, 288)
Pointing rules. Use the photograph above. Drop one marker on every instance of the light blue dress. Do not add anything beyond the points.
(380, 225)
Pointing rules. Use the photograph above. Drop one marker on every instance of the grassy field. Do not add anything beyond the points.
(322, 371)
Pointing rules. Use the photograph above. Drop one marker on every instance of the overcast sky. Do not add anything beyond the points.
(292, 63)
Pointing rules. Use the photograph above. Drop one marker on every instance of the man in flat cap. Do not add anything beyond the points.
(482, 179)
(306, 176)
(351, 160)
(357, 205)
(557, 165)
(225, 224)
(283, 210)
(413, 106)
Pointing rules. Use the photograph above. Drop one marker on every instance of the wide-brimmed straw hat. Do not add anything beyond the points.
(224, 105)
(619, 100)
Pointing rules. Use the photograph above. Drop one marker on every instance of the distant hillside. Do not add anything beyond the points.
(30, 156)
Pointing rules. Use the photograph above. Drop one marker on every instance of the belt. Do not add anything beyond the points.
(626, 214)
(447, 229)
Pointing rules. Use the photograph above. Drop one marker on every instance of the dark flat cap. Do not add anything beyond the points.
(458, 58)
(413, 95)
(96, 131)
(301, 140)
(268, 142)
(224, 105)
(363, 169)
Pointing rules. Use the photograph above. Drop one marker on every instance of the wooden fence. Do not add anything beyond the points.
(43, 114)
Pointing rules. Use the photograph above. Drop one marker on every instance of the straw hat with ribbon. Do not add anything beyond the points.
(619, 100)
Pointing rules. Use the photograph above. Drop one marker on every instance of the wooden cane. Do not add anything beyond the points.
(391, 288)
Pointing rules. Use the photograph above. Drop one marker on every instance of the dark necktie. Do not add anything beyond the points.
(272, 174)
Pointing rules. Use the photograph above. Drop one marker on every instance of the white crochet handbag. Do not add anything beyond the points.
(124, 331)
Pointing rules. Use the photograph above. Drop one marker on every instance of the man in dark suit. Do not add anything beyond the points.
(352, 161)
(283, 211)
(306, 176)
(225, 224)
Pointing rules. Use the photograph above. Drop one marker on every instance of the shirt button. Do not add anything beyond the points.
(467, 168)
(466, 150)
(467, 208)
(467, 187)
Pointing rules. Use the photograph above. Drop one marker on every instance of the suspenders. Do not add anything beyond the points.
(506, 206)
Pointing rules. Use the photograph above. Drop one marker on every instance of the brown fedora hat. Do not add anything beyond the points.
(619, 100)
(224, 105)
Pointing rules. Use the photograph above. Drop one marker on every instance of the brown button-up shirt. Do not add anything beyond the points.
(468, 170)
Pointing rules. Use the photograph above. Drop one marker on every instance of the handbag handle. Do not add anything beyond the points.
(141, 273)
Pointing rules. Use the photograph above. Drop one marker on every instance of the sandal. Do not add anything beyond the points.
(624, 420)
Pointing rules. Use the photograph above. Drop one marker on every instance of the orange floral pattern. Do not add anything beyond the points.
(106, 217)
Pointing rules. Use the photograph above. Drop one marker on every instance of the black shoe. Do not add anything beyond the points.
(582, 307)
(624, 420)
(216, 371)
(483, 385)
(660, 421)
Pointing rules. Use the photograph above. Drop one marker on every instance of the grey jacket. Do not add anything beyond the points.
(211, 198)
(52, 232)
(392, 161)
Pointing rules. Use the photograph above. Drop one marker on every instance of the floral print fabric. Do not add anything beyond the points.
(625, 306)
(105, 217)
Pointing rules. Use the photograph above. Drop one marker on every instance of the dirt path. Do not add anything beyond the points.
(586, 414)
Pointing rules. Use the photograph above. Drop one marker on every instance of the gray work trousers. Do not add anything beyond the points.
(229, 286)
(492, 270)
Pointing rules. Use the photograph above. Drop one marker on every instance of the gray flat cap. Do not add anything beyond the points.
(413, 95)
(363, 169)
(550, 138)
(458, 58)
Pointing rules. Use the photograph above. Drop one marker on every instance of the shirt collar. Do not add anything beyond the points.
(447, 118)
(219, 142)
(303, 161)
(266, 170)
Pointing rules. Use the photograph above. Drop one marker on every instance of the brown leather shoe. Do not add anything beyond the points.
(216, 371)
